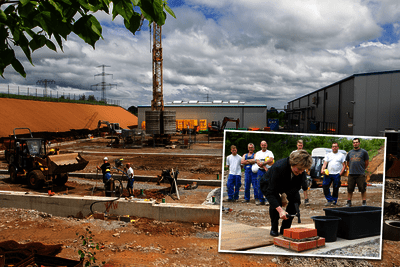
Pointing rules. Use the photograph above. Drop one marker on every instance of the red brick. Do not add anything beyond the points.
(281, 242)
(288, 232)
(304, 233)
(321, 242)
(300, 246)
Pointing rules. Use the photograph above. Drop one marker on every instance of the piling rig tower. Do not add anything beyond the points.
(158, 99)
(161, 124)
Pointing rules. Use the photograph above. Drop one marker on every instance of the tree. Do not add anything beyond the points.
(31, 24)
(133, 110)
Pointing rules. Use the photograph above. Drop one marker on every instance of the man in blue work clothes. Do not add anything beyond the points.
(357, 160)
(264, 159)
(336, 167)
(234, 183)
(250, 178)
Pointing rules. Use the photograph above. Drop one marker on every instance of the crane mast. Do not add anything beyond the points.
(158, 100)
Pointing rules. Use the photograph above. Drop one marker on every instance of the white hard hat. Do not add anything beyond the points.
(254, 168)
(105, 158)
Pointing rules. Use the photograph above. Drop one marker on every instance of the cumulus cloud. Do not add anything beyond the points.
(265, 52)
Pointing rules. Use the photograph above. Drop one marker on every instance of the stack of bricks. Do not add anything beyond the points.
(299, 239)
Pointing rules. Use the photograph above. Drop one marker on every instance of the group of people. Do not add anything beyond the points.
(255, 166)
(109, 182)
(336, 163)
(279, 184)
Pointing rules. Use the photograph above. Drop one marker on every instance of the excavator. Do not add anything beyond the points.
(218, 127)
(113, 129)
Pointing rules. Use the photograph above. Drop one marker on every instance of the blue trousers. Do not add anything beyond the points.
(250, 178)
(260, 195)
(233, 185)
(326, 183)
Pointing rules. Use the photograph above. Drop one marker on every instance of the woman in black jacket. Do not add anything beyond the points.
(285, 176)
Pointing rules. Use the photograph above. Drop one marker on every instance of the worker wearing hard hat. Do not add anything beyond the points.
(336, 167)
(105, 168)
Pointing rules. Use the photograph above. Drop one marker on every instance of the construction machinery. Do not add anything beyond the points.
(160, 123)
(28, 159)
(217, 126)
(112, 128)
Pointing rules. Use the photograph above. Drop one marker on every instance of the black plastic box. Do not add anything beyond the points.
(357, 222)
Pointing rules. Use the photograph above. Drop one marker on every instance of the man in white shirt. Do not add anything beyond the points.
(336, 167)
(264, 159)
(129, 184)
(234, 183)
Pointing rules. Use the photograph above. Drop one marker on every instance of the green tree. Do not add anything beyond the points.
(31, 24)
(133, 110)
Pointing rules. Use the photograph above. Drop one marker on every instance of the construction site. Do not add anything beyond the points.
(159, 226)
(56, 210)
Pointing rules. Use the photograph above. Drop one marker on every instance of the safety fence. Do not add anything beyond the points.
(33, 93)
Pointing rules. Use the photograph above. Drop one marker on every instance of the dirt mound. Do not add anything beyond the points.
(41, 116)
(394, 170)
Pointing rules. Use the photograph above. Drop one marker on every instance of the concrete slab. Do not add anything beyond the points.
(329, 246)
(141, 178)
(240, 238)
(65, 205)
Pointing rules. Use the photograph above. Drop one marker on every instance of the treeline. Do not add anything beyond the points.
(282, 145)
(81, 99)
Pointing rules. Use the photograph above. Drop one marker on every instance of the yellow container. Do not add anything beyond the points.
(203, 125)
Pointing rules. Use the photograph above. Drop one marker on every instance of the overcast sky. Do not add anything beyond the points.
(260, 52)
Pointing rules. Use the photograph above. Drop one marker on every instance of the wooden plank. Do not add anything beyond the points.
(239, 237)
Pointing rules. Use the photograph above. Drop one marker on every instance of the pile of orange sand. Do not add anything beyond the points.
(42, 116)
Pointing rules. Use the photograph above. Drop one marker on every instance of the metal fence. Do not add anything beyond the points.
(13, 91)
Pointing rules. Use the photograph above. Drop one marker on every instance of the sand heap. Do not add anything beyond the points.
(41, 116)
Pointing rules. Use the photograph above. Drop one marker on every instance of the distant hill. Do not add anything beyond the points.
(42, 116)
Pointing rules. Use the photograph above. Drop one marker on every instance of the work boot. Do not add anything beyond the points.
(364, 203)
(274, 233)
(257, 202)
(348, 205)
(274, 229)
(245, 201)
(329, 203)
(306, 202)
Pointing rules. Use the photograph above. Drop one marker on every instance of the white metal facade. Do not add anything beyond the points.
(250, 116)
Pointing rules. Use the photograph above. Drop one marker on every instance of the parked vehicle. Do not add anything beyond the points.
(28, 159)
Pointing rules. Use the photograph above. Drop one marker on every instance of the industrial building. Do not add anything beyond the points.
(363, 104)
(203, 113)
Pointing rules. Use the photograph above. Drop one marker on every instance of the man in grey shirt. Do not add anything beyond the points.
(357, 161)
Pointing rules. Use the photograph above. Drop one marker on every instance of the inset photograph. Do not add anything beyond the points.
(301, 194)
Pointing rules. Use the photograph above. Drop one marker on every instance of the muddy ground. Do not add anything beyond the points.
(144, 242)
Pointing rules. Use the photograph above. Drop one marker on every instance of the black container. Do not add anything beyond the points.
(327, 227)
(357, 222)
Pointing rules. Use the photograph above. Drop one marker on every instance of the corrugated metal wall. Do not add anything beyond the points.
(364, 104)
(377, 103)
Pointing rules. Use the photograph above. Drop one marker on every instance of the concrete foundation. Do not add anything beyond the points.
(64, 206)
